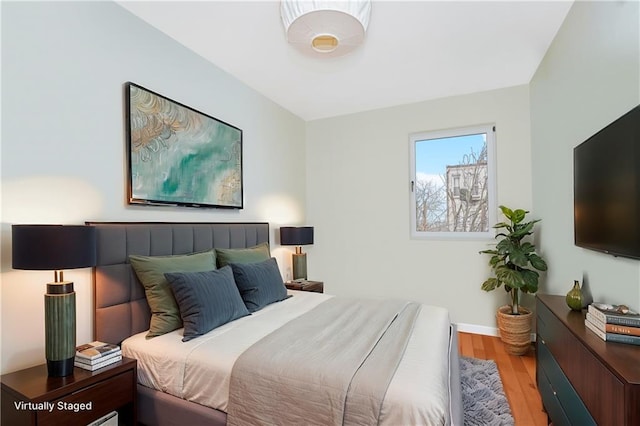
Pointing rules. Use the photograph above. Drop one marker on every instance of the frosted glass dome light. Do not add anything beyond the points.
(326, 28)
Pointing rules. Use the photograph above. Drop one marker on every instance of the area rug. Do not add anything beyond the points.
(483, 398)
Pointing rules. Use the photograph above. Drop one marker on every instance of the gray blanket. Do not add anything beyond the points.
(331, 366)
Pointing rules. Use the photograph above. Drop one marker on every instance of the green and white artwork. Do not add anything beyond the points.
(179, 156)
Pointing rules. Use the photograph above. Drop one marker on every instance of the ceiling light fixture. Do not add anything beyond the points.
(327, 28)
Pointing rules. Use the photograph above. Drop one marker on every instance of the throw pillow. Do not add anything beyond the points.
(165, 316)
(206, 300)
(260, 284)
(257, 253)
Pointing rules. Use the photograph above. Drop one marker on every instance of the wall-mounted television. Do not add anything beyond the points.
(606, 188)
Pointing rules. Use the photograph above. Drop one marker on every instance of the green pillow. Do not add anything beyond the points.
(254, 254)
(165, 315)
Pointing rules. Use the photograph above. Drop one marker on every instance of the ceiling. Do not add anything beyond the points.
(413, 50)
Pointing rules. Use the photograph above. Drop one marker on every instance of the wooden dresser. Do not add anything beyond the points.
(582, 379)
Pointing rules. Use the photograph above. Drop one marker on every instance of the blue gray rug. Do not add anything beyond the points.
(483, 398)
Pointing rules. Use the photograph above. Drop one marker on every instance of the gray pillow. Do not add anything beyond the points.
(260, 283)
(206, 300)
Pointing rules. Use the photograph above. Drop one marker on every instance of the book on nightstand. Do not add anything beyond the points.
(96, 350)
(609, 332)
(95, 355)
(97, 365)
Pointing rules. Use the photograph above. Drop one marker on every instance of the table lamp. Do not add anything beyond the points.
(56, 247)
(297, 236)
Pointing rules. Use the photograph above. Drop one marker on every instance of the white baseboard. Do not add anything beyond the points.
(484, 330)
(477, 329)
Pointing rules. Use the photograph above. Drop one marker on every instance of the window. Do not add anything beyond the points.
(453, 183)
(456, 185)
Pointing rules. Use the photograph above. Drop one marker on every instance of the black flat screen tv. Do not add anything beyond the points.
(606, 188)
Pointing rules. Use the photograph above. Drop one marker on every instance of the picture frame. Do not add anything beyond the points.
(178, 156)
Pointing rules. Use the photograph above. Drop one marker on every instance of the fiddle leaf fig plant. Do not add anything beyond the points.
(514, 261)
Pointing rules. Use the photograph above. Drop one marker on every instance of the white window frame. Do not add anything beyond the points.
(489, 130)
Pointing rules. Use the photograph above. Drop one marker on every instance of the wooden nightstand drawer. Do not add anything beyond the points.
(101, 397)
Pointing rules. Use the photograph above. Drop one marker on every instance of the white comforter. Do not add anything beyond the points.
(199, 370)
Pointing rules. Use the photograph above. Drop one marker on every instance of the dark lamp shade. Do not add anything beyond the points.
(296, 235)
(53, 247)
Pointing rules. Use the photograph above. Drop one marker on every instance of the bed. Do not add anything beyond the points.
(179, 384)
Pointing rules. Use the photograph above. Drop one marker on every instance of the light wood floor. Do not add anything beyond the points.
(518, 374)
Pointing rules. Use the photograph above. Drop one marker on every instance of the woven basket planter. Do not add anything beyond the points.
(515, 330)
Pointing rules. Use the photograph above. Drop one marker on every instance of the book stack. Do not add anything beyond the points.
(614, 323)
(95, 355)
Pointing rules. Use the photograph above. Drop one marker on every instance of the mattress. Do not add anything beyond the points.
(199, 370)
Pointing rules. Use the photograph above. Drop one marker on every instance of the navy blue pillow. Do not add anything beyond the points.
(260, 283)
(206, 300)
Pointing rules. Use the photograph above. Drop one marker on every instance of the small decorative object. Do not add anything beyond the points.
(515, 264)
(179, 156)
(297, 236)
(574, 297)
(623, 309)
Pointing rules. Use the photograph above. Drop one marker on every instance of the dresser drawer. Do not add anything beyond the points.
(551, 333)
(572, 406)
(550, 400)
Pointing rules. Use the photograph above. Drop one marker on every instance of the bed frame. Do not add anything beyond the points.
(121, 309)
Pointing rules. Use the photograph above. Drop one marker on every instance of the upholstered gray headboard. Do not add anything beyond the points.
(121, 308)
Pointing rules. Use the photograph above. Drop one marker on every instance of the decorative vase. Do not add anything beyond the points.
(574, 297)
(515, 330)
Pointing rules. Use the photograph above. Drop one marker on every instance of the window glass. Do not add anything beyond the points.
(452, 183)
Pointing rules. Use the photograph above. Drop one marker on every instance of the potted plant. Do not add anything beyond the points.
(515, 265)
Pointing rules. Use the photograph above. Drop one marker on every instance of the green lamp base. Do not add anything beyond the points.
(299, 266)
(60, 328)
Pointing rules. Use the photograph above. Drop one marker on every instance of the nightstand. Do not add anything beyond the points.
(30, 397)
(314, 286)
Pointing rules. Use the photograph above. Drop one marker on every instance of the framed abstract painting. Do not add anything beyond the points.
(179, 156)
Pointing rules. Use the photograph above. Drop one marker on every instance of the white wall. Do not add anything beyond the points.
(63, 142)
(589, 77)
(358, 201)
